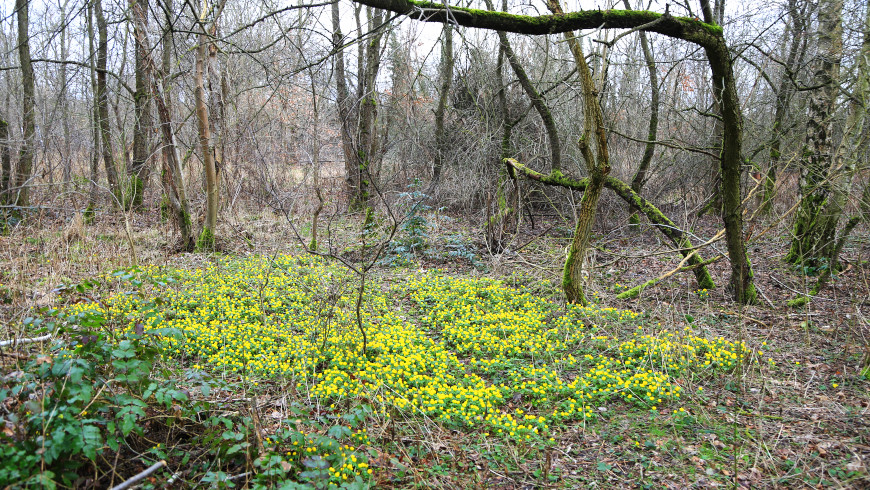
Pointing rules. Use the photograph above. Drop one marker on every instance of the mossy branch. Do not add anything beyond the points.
(677, 27)
(636, 201)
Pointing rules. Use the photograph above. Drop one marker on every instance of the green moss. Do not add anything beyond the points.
(165, 209)
(635, 291)
(205, 242)
(89, 214)
(679, 27)
(798, 302)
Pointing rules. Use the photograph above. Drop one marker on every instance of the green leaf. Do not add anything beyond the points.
(93, 440)
(602, 466)
(235, 448)
(338, 431)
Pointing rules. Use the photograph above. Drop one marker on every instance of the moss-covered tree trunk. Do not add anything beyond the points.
(365, 143)
(742, 285)
(795, 36)
(597, 165)
(94, 119)
(5, 161)
(815, 222)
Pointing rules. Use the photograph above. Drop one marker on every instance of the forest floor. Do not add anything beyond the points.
(793, 412)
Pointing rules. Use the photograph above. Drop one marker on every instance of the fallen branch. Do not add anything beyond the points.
(141, 476)
(4, 343)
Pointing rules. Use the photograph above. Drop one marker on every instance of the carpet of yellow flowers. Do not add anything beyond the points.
(470, 353)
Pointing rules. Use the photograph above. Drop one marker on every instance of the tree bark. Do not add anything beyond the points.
(102, 96)
(815, 221)
(139, 170)
(90, 209)
(66, 158)
(597, 165)
(343, 102)
(446, 75)
(206, 238)
(177, 194)
(742, 285)
(863, 93)
(784, 93)
(652, 131)
(28, 107)
(366, 141)
(5, 161)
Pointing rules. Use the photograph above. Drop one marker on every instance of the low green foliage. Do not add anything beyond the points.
(79, 407)
(456, 350)
(413, 236)
(471, 355)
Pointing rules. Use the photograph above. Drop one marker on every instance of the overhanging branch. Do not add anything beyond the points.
(677, 27)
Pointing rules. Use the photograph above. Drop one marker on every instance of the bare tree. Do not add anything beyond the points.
(28, 107)
(155, 76)
(139, 170)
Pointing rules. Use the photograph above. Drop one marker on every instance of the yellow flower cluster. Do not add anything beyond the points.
(466, 352)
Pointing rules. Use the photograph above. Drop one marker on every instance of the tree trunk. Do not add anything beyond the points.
(652, 131)
(102, 96)
(66, 158)
(5, 161)
(815, 221)
(28, 108)
(360, 176)
(863, 93)
(217, 90)
(206, 238)
(167, 44)
(139, 170)
(177, 195)
(90, 209)
(446, 75)
(597, 165)
(784, 92)
(345, 113)
(731, 159)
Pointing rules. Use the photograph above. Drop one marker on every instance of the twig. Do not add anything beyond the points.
(539, 235)
(648, 25)
(795, 290)
(141, 476)
(4, 343)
